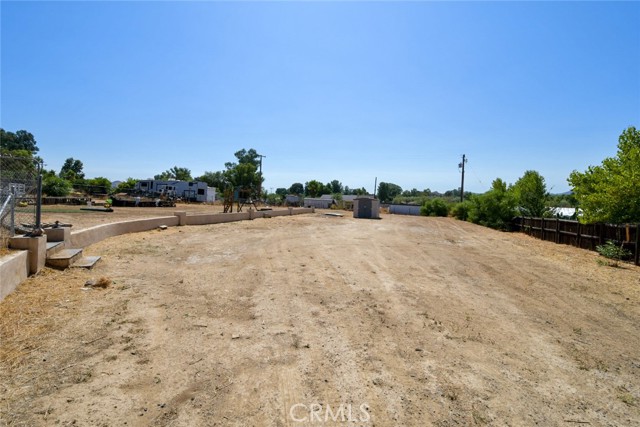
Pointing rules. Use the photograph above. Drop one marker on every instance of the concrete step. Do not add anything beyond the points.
(86, 262)
(64, 258)
(54, 247)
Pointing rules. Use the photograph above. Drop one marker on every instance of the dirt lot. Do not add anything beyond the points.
(324, 321)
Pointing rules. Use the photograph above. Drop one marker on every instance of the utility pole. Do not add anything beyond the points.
(261, 156)
(260, 189)
(461, 165)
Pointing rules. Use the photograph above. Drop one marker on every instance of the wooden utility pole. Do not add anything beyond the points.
(461, 165)
(260, 189)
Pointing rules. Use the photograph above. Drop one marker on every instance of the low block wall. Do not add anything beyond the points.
(14, 269)
(89, 236)
(219, 218)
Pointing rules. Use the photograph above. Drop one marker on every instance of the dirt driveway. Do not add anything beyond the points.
(314, 320)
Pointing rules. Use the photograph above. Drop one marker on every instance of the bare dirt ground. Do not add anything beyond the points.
(324, 321)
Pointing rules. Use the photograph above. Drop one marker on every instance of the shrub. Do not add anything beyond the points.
(613, 252)
(54, 186)
(461, 210)
(495, 208)
(434, 207)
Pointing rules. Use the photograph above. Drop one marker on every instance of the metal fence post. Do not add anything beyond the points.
(39, 200)
(12, 223)
(637, 260)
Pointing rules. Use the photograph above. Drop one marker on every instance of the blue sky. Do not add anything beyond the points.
(325, 90)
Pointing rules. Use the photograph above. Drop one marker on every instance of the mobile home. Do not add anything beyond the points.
(193, 191)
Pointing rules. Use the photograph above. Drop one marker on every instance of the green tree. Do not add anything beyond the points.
(175, 173)
(282, 192)
(272, 198)
(126, 186)
(388, 191)
(216, 179)
(98, 185)
(495, 208)
(336, 187)
(610, 192)
(245, 177)
(313, 188)
(244, 174)
(530, 193)
(18, 141)
(72, 170)
(54, 186)
(245, 156)
(296, 188)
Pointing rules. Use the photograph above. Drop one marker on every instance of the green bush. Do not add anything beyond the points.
(461, 210)
(54, 186)
(495, 208)
(613, 252)
(434, 207)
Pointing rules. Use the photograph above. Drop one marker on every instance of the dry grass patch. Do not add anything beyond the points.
(29, 313)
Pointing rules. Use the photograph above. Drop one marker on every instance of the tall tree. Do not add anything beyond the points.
(19, 141)
(72, 170)
(245, 177)
(176, 173)
(610, 192)
(336, 187)
(530, 192)
(495, 208)
(216, 179)
(387, 191)
(98, 185)
(245, 156)
(126, 186)
(239, 174)
(313, 188)
(296, 188)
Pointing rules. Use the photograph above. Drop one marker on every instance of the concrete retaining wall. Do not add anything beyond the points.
(89, 236)
(14, 269)
(204, 219)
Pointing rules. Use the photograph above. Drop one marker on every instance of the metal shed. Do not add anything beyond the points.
(366, 207)
(404, 209)
(319, 203)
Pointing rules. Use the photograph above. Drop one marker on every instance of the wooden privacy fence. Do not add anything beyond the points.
(586, 236)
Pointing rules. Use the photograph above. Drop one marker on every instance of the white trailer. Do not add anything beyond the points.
(193, 191)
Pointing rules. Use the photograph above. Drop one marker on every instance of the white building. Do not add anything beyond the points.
(193, 191)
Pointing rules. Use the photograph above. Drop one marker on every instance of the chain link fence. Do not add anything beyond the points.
(19, 196)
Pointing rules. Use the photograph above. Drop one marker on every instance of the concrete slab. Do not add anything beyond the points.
(86, 262)
(64, 258)
(54, 247)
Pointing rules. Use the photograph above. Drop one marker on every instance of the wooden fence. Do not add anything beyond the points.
(586, 236)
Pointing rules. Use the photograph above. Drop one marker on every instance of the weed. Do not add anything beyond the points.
(613, 252)
(627, 398)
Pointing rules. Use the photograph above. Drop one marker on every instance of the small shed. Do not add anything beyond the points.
(366, 207)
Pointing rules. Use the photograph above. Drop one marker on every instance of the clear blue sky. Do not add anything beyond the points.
(325, 90)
